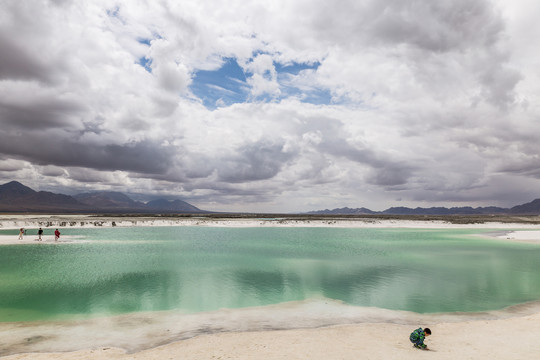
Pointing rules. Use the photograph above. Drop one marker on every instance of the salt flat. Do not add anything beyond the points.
(454, 336)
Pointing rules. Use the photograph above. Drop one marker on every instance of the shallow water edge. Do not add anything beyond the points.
(139, 331)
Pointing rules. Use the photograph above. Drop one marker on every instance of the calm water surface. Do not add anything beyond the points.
(197, 269)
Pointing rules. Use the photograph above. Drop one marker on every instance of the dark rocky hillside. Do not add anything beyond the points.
(16, 197)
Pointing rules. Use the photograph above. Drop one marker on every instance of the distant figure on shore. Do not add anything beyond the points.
(21, 233)
(417, 338)
(40, 233)
(56, 235)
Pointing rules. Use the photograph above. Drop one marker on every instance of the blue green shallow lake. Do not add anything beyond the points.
(110, 271)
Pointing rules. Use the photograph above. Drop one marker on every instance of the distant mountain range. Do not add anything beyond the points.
(531, 208)
(16, 197)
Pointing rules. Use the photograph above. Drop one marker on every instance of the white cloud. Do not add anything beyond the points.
(432, 102)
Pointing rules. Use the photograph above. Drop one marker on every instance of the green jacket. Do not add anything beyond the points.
(417, 337)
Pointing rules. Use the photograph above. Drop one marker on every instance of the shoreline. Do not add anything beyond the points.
(10, 222)
(33, 239)
(526, 231)
(269, 333)
(313, 329)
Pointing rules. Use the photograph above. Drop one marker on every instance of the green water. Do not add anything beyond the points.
(197, 269)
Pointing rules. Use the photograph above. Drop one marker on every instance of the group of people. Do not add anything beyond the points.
(22, 232)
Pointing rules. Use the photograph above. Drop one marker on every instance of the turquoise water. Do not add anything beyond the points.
(197, 269)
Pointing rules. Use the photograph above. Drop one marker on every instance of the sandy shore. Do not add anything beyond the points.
(243, 334)
(33, 239)
(524, 236)
(515, 338)
(91, 221)
(528, 230)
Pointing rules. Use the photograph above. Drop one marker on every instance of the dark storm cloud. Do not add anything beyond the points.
(384, 170)
(257, 161)
(87, 176)
(438, 26)
(503, 191)
(529, 167)
(60, 2)
(52, 171)
(38, 114)
(390, 175)
(18, 64)
(499, 84)
(49, 149)
(26, 52)
(232, 194)
(94, 126)
(198, 165)
(144, 157)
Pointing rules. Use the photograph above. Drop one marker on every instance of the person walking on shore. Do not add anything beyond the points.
(56, 235)
(40, 233)
(21, 233)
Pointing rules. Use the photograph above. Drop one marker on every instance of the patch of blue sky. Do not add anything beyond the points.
(113, 12)
(148, 40)
(316, 96)
(295, 68)
(266, 98)
(292, 82)
(311, 95)
(228, 85)
(145, 63)
(224, 86)
(144, 41)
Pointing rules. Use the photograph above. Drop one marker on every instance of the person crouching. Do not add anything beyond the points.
(417, 337)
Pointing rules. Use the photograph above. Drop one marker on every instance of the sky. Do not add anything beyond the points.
(274, 106)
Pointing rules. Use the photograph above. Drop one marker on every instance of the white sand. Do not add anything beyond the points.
(89, 221)
(512, 335)
(525, 236)
(507, 339)
(33, 239)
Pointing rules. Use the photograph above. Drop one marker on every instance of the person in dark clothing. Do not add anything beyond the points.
(40, 233)
(417, 337)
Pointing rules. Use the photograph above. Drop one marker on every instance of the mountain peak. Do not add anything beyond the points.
(172, 205)
(532, 207)
(14, 189)
(15, 196)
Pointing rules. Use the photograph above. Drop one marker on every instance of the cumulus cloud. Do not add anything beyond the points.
(346, 103)
(257, 161)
